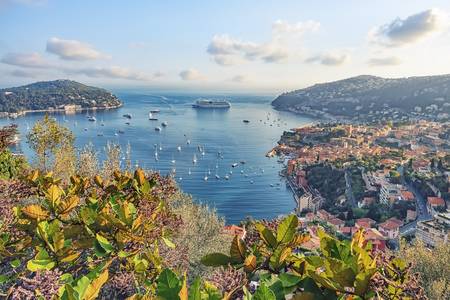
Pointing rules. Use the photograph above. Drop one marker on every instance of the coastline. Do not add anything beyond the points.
(56, 110)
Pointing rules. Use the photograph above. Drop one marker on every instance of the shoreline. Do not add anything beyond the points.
(57, 110)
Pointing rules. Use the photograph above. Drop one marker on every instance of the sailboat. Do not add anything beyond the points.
(189, 171)
(205, 178)
(194, 159)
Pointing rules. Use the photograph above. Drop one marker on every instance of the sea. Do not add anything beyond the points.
(248, 183)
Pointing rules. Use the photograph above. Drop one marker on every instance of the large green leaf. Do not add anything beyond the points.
(216, 260)
(266, 235)
(194, 290)
(264, 293)
(168, 285)
(42, 261)
(287, 229)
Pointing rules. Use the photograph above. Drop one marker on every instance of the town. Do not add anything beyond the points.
(393, 180)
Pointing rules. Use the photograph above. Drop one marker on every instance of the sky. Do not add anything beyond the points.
(232, 45)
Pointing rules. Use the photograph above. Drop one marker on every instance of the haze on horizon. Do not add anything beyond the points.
(221, 45)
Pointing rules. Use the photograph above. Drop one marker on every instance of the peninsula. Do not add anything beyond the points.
(368, 98)
(52, 96)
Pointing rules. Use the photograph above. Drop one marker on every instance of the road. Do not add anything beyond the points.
(348, 189)
(421, 206)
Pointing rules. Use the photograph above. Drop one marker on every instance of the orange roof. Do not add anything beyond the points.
(336, 221)
(407, 195)
(373, 234)
(436, 201)
(389, 225)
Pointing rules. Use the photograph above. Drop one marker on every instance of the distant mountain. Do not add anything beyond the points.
(50, 95)
(369, 98)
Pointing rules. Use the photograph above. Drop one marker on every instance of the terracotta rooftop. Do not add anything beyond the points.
(436, 201)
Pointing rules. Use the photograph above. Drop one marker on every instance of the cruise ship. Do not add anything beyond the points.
(205, 103)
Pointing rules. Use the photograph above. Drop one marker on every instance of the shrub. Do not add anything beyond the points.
(11, 165)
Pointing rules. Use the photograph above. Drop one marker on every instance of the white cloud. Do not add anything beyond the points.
(384, 61)
(73, 50)
(114, 72)
(281, 27)
(158, 74)
(226, 50)
(411, 29)
(239, 79)
(26, 60)
(334, 58)
(191, 74)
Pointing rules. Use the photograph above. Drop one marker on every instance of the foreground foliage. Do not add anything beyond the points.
(114, 239)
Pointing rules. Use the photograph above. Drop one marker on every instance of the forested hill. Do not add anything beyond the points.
(55, 94)
(365, 97)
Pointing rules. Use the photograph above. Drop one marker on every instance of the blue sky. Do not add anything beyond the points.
(220, 45)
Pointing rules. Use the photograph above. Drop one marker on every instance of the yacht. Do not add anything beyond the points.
(214, 104)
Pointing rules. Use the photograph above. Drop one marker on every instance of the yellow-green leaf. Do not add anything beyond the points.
(250, 263)
(237, 250)
(68, 205)
(35, 211)
(93, 289)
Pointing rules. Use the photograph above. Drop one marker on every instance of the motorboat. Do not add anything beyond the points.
(128, 116)
(164, 124)
(157, 128)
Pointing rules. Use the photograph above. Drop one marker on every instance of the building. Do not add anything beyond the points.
(235, 230)
(434, 231)
(336, 223)
(309, 202)
(390, 193)
(435, 204)
(376, 238)
(364, 223)
(390, 229)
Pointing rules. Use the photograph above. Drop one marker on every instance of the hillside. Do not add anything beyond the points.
(47, 95)
(369, 98)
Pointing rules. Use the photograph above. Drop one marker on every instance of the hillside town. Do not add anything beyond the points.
(391, 180)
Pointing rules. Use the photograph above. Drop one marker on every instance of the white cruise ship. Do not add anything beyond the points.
(205, 103)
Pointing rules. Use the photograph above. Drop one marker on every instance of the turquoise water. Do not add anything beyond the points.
(253, 189)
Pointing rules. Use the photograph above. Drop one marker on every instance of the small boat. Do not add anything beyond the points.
(246, 121)
(164, 124)
(179, 148)
(189, 171)
(157, 128)
(209, 172)
(242, 171)
(242, 162)
(100, 134)
(151, 118)
(251, 181)
(231, 172)
(173, 161)
(188, 142)
(234, 165)
(160, 147)
(128, 116)
(205, 178)
(85, 129)
(128, 123)
(217, 177)
(121, 131)
(227, 177)
(194, 159)
(92, 119)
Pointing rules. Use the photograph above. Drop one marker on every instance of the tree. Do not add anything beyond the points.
(433, 265)
(46, 138)
(7, 134)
